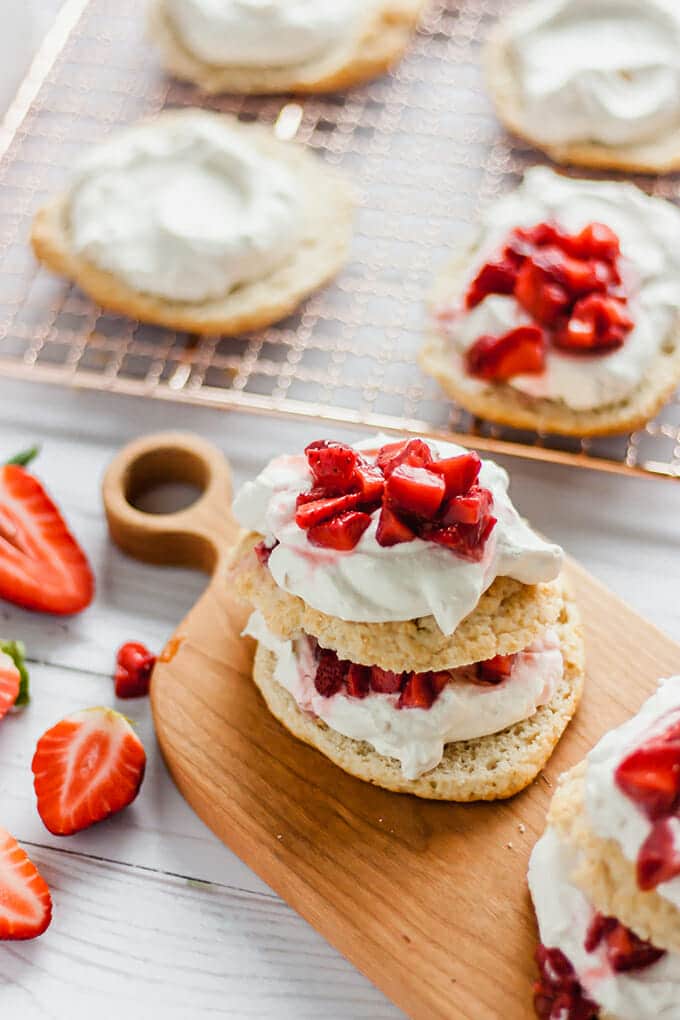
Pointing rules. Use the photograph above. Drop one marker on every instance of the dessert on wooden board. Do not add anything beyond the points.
(410, 625)
(591, 82)
(196, 221)
(605, 876)
(562, 312)
(301, 46)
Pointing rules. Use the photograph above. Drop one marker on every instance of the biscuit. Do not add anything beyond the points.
(490, 768)
(383, 42)
(321, 251)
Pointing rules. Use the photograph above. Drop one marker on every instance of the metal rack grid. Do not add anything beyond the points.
(425, 151)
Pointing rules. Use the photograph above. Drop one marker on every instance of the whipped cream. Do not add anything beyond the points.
(649, 232)
(604, 71)
(564, 915)
(264, 33)
(183, 207)
(613, 815)
(416, 737)
(375, 584)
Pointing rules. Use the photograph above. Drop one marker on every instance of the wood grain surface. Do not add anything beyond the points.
(428, 900)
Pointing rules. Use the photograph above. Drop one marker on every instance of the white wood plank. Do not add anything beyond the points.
(125, 942)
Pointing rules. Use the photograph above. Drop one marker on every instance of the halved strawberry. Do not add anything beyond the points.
(415, 490)
(25, 901)
(309, 514)
(87, 767)
(341, 533)
(330, 673)
(468, 509)
(418, 692)
(650, 776)
(494, 671)
(358, 680)
(332, 464)
(42, 567)
(409, 451)
(134, 666)
(520, 351)
(391, 529)
(459, 473)
(658, 859)
(385, 681)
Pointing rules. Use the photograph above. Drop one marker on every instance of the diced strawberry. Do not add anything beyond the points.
(544, 298)
(597, 929)
(358, 680)
(369, 483)
(597, 322)
(330, 673)
(595, 241)
(658, 859)
(10, 682)
(320, 510)
(497, 276)
(625, 950)
(439, 679)
(468, 509)
(459, 473)
(384, 681)
(650, 776)
(332, 465)
(520, 351)
(415, 490)
(496, 670)
(134, 665)
(42, 567)
(342, 532)
(264, 551)
(466, 540)
(576, 276)
(558, 994)
(418, 692)
(409, 451)
(25, 901)
(391, 529)
(523, 240)
(87, 767)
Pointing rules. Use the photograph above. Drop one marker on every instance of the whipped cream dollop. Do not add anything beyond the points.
(264, 33)
(415, 736)
(184, 207)
(613, 815)
(604, 71)
(649, 233)
(376, 584)
(564, 915)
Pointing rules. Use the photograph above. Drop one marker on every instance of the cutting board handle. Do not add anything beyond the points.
(198, 536)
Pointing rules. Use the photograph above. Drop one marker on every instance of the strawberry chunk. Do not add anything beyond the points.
(597, 322)
(385, 681)
(309, 514)
(520, 351)
(468, 509)
(625, 950)
(558, 994)
(87, 767)
(410, 451)
(369, 482)
(264, 551)
(496, 670)
(341, 533)
(418, 692)
(358, 680)
(330, 673)
(468, 541)
(497, 276)
(459, 473)
(134, 665)
(650, 776)
(25, 901)
(544, 298)
(415, 490)
(391, 529)
(658, 859)
(332, 465)
(595, 241)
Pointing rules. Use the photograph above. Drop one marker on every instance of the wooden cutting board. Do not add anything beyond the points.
(429, 900)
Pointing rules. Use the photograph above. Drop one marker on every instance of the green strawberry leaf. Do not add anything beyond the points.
(24, 458)
(17, 652)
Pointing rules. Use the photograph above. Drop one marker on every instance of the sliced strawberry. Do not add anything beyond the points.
(358, 680)
(544, 298)
(391, 529)
(41, 565)
(320, 510)
(134, 665)
(25, 901)
(468, 509)
(658, 859)
(496, 670)
(410, 451)
(497, 276)
(369, 482)
(418, 692)
(10, 684)
(520, 351)
(332, 464)
(341, 533)
(385, 681)
(330, 673)
(415, 490)
(459, 473)
(650, 776)
(87, 767)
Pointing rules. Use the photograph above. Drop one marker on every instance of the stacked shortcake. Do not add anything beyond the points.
(605, 876)
(410, 625)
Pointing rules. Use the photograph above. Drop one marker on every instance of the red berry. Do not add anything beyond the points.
(330, 673)
(595, 241)
(650, 776)
(409, 451)
(391, 529)
(341, 533)
(309, 514)
(468, 509)
(545, 299)
(625, 950)
(264, 551)
(415, 490)
(558, 994)
(332, 465)
(369, 483)
(418, 692)
(358, 680)
(520, 351)
(467, 540)
(134, 665)
(497, 276)
(384, 681)
(658, 860)
(459, 473)
(496, 670)
(597, 322)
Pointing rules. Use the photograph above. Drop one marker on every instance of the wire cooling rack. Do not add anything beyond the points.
(425, 152)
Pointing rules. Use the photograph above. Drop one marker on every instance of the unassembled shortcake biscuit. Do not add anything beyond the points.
(605, 876)
(410, 625)
(300, 46)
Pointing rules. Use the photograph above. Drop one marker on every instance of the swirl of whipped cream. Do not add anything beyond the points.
(564, 915)
(598, 70)
(417, 737)
(613, 815)
(649, 232)
(183, 207)
(264, 33)
(376, 584)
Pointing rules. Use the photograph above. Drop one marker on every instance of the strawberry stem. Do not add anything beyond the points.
(17, 652)
(24, 458)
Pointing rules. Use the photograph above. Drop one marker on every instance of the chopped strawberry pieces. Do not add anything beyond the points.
(459, 473)
(658, 858)
(415, 490)
(320, 510)
(558, 994)
(385, 681)
(468, 541)
(497, 276)
(597, 322)
(496, 670)
(414, 452)
(370, 483)
(341, 533)
(358, 680)
(134, 665)
(469, 509)
(520, 351)
(25, 901)
(330, 673)
(392, 530)
(542, 297)
(595, 241)
(625, 950)
(332, 464)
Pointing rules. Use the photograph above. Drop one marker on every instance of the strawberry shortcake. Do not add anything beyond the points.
(563, 312)
(409, 624)
(605, 876)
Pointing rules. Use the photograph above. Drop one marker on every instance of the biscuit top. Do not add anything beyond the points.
(264, 33)
(185, 207)
(415, 529)
(632, 790)
(597, 70)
